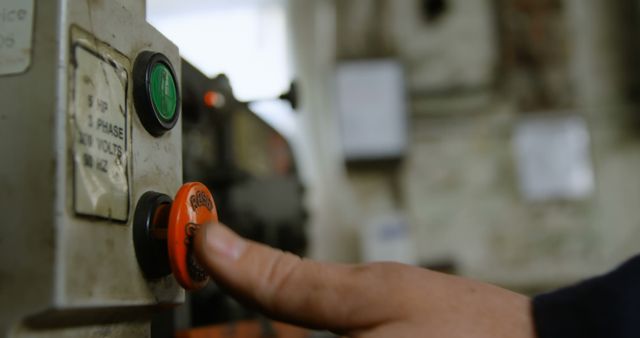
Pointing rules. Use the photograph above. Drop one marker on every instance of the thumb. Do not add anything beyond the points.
(305, 292)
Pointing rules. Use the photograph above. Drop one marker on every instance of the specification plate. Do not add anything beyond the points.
(16, 28)
(99, 123)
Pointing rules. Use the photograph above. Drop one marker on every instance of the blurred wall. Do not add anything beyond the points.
(475, 69)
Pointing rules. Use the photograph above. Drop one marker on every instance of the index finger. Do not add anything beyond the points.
(320, 295)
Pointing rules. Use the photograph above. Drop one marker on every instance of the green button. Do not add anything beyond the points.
(163, 91)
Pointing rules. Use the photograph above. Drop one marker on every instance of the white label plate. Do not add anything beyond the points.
(16, 28)
(100, 147)
(553, 157)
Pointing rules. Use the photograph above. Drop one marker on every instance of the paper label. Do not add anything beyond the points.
(99, 123)
(16, 29)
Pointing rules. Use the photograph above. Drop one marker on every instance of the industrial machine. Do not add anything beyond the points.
(90, 123)
(96, 227)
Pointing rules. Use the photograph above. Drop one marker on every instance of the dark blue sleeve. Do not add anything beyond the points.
(603, 307)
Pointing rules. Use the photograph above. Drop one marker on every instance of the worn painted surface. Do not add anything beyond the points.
(58, 269)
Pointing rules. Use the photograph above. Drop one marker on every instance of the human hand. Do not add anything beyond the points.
(368, 301)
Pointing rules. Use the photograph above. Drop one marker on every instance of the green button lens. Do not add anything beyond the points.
(163, 91)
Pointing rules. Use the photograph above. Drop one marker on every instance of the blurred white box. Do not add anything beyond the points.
(371, 102)
(553, 157)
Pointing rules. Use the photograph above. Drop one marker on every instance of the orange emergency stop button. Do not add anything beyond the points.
(192, 207)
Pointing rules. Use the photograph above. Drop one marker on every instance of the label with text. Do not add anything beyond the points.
(100, 148)
(16, 30)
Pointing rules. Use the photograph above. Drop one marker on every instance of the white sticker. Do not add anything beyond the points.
(100, 137)
(16, 28)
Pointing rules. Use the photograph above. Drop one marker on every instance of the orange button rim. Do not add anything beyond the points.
(190, 207)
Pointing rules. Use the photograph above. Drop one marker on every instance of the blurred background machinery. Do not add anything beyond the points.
(252, 173)
(244, 160)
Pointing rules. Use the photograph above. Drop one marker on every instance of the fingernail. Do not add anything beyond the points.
(224, 242)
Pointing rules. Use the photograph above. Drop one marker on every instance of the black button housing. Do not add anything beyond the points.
(149, 116)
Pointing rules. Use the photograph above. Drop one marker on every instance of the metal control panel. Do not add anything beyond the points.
(89, 122)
